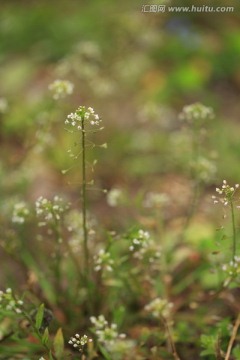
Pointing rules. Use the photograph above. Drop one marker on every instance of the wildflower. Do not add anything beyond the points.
(196, 112)
(232, 269)
(226, 193)
(103, 261)
(20, 212)
(142, 246)
(99, 322)
(78, 342)
(114, 197)
(106, 333)
(81, 115)
(204, 169)
(61, 88)
(51, 211)
(159, 307)
(141, 240)
(9, 302)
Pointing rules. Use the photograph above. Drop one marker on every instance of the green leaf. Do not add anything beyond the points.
(58, 343)
(39, 316)
(208, 342)
(104, 352)
(45, 337)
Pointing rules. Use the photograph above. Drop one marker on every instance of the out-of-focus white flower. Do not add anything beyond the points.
(114, 196)
(61, 88)
(196, 112)
(159, 307)
(103, 261)
(20, 212)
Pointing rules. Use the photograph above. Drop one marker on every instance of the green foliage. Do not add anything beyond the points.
(39, 317)
(58, 344)
(209, 344)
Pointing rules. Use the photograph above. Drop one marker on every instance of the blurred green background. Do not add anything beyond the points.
(136, 69)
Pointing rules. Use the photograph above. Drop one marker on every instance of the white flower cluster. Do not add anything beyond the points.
(103, 261)
(50, 211)
(204, 169)
(61, 88)
(233, 267)
(20, 213)
(106, 334)
(78, 342)
(9, 302)
(143, 246)
(114, 197)
(196, 111)
(227, 193)
(159, 307)
(81, 115)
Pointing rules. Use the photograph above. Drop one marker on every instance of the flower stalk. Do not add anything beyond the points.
(233, 230)
(84, 200)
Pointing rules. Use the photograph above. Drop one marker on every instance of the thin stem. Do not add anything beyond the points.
(233, 229)
(196, 147)
(233, 337)
(218, 349)
(57, 266)
(170, 339)
(193, 205)
(84, 202)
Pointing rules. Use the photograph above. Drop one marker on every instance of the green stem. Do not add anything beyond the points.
(170, 338)
(84, 203)
(193, 206)
(233, 230)
(57, 265)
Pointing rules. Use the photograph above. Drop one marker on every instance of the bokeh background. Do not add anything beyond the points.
(137, 70)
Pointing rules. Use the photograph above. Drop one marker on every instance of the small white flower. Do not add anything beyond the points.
(78, 342)
(20, 212)
(81, 115)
